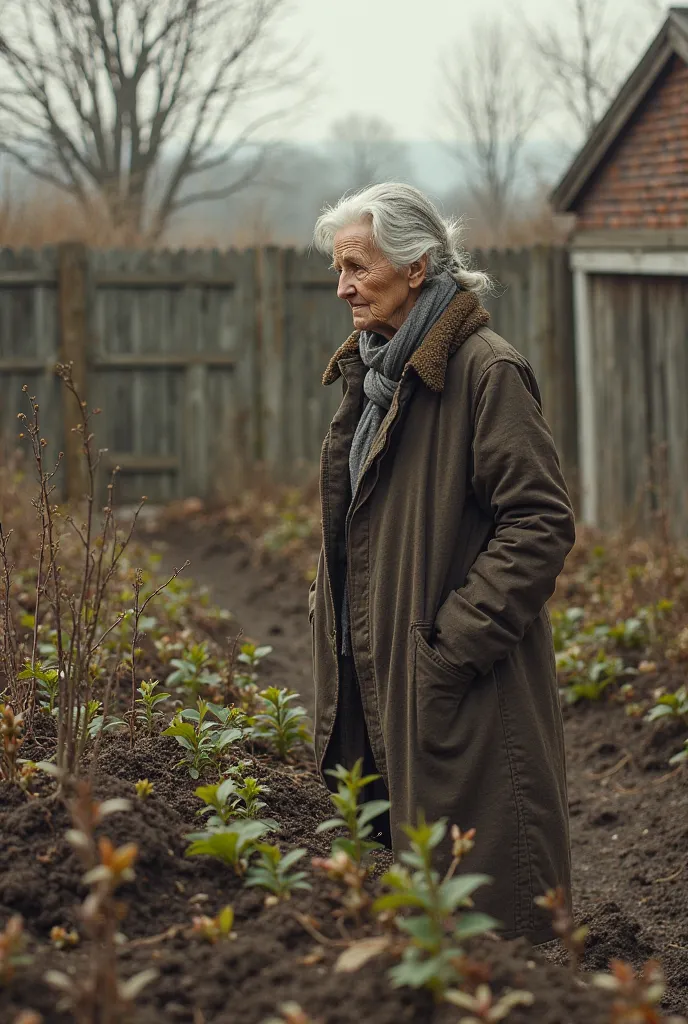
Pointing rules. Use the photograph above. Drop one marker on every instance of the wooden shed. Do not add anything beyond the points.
(628, 189)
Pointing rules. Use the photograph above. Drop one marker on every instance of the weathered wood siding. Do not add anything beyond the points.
(639, 330)
(207, 365)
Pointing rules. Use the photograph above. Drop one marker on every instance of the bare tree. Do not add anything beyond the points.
(125, 103)
(582, 56)
(491, 107)
(367, 151)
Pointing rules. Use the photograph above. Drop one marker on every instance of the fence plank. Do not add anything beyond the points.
(72, 288)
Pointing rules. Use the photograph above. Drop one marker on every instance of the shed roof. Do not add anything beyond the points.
(671, 39)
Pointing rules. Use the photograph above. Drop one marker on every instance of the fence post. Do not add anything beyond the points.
(272, 372)
(72, 265)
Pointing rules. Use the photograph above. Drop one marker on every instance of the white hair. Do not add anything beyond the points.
(405, 225)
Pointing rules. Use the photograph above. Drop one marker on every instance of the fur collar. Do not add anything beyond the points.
(463, 316)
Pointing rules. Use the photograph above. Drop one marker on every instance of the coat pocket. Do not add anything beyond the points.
(439, 691)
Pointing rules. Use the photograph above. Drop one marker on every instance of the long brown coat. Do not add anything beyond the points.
(459, 529)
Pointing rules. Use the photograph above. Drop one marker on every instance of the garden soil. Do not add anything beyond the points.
(629, 825)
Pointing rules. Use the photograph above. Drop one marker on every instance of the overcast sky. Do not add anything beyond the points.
(383, 57)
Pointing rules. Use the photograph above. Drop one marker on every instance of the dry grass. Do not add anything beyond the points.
(41, 216)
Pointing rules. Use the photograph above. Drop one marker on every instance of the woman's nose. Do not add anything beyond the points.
(345, 286)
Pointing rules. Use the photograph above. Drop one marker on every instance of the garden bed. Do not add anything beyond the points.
(628, 807)
(273, 958)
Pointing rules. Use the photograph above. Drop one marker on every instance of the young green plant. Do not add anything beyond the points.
(348, 861)
(204, 739)
(148, 713)
(283, 726)
(192, 670)
(212, 929)
(233, 844)
(355, 817)
(670, 705)
(273, 871)
(441, 917)
(230, 799)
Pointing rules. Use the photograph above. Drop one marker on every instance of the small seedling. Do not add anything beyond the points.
(681, 756)
(62, 939)
(203, 740)
(143, 788)
(355, 818)
(566, 626)
(248, 802)
(250, 656)
(563, 925)
(212, 929)
(47, 682)
(670, 705)
(147, 711)
(12, 949)
(273, 871)
(11, 740)
(229, 799)
(233, 844)
(636, 996)
(483, 1007)
(281, 725)
(95, 722)
(589, 682)
(192, 670)
(432, 953)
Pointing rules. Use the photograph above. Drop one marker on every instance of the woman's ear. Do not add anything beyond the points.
(418, 271)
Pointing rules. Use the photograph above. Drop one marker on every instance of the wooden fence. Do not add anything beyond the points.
(207, 365)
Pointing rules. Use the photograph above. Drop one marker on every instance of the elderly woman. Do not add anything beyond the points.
(446, 522)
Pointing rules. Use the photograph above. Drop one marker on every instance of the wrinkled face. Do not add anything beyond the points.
(380, 296)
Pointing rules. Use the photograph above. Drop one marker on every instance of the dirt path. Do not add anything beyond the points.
(269, 603)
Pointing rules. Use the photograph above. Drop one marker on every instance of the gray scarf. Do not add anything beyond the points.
(386, 361)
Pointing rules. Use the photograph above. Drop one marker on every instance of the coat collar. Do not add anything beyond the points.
(463, 316)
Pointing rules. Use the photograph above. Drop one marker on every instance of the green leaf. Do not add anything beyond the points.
(181, 729)
(456, 890)
(396, 900)
(659, 711)
(225, 920)
(291, 858)
(327, 826)
(475, 923)
(345, 845)
(416, 973)
(423, 930)
(372, 810)
(414, 860)
(227, 737)
(438, 832)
